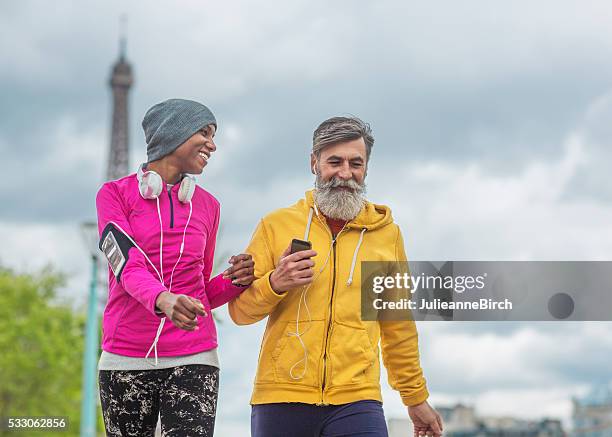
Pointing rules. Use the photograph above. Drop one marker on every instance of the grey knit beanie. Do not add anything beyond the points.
(169, 124)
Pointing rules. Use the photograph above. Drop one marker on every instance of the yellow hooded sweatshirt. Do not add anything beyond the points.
(331, 355)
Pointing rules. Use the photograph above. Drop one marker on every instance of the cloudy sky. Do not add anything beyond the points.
(492, 143)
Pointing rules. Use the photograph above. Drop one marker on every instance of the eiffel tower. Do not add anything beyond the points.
(120, 82)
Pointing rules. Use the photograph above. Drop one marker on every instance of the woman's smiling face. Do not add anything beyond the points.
(193, 155)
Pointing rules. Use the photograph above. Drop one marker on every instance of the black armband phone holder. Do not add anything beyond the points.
(116, 247)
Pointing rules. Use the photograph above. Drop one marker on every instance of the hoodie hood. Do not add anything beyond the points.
(371, 216)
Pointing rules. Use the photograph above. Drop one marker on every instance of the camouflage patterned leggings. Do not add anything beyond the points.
(185, 398)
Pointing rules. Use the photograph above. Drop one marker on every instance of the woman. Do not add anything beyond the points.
(158, 231)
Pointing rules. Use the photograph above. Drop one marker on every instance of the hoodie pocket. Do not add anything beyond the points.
(298, 363)
(272, 344)
(351, 356)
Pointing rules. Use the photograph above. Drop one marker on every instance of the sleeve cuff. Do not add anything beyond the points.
(158, 313)
(237, 289)
(415, 398)
(269, 295)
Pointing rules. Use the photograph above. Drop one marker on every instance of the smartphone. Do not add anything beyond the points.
(300, 245)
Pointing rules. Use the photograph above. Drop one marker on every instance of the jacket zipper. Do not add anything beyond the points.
(331, 301)
(171, 209)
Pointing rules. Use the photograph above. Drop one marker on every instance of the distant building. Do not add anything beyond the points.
(462, 421)
(592, 415)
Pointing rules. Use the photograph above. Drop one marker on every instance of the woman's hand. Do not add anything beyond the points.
(242, 271)
(181, 309)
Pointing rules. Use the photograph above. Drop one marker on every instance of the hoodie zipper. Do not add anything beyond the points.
(329, 325)
(331, 301)
(171, 208)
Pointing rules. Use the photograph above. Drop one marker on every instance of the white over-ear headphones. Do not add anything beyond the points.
(150, 185)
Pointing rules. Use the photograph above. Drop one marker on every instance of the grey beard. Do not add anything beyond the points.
(337, 203)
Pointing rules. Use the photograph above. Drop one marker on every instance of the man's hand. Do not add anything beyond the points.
(293, 270)
(242, 271)
(181, 309)
(426, 420)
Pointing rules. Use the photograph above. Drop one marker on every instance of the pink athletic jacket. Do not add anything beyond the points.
(130, 322)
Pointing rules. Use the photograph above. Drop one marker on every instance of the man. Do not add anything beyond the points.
(318, 371)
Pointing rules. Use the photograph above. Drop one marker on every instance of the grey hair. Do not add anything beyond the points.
(340, 129)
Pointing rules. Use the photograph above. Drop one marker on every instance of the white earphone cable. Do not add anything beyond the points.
(303, 296)
(161, 240)
(154, 344)
(161, 267)
(163, 320)
(182, 244)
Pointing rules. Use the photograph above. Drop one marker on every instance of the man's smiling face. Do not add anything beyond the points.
(341, 170)
(343, 161)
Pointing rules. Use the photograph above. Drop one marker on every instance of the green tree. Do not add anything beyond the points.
(41, 348)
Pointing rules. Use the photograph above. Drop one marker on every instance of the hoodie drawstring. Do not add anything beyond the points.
(350, 278)
(307, 231)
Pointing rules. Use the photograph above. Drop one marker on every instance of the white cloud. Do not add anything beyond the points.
(450, 211)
